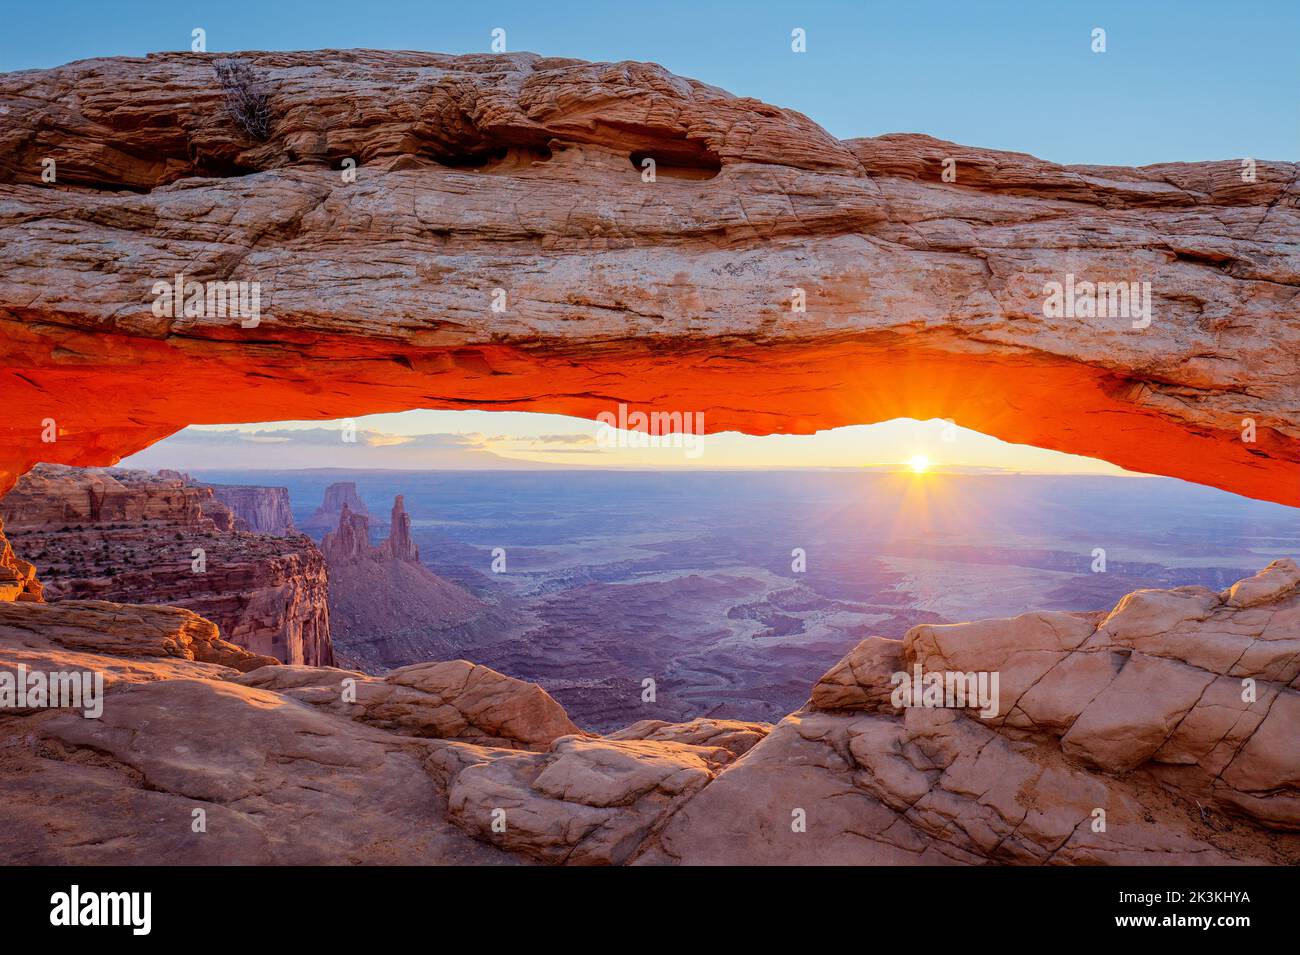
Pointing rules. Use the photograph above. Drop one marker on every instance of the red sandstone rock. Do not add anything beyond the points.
(735, 736)
(585, 802)
(131, 536)
(399, 545)
(925, 298)
(281, 782)
(121, 630)
(337, 497)
(350, 541)
(385, 606)
(1199, 689)
(279, 745)
(17, 577)
(54, 497)
(450, 700)
(261, 510)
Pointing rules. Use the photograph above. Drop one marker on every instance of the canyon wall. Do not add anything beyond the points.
(386, 608)
(135, 537)
(241, 507)
(502, 245)
(17, 576)
(340, 495)
(55, 498)
(262, 510)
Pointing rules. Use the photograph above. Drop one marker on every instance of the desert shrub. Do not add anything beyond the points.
(246, 98)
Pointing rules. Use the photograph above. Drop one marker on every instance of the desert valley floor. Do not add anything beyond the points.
(613, 577)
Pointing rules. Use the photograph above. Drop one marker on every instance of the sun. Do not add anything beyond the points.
(919, 464)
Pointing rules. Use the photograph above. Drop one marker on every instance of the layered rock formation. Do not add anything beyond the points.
(17, 576)
(587, 801)
(125, 640)
(386, 608)
(261, 510)
(499, 247)
(1122, 737)
(452, 700)
(1169, 722)
(273, 780)
(399, 545)
(132, 536)
(55, 497)
(337, 497)
(212, 508)
(350, 541)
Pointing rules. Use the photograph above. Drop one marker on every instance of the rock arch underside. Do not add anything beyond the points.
(476, 173)
(521, 173)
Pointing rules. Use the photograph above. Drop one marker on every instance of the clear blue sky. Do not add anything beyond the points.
(1186, 80)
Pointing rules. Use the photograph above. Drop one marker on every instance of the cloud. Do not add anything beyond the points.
(569, 443)
(321, 437)
(235, 448)
(432, 441)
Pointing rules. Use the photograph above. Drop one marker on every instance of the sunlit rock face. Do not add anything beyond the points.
(53, 498)
(498, 245)
(17, 576)
(1122, 737)
(262, 510)
(134, 537)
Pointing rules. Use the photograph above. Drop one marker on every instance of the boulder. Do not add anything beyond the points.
(450, 700)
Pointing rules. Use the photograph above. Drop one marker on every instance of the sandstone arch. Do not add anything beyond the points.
(924, 297)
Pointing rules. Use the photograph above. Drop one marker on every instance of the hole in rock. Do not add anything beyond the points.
(679, 165)
(497, 158)
(590, 559)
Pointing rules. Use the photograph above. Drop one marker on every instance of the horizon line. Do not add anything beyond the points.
(934, 470)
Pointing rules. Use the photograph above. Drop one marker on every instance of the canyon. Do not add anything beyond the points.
(772, 277)
(612, 577)
(133, 537)
(500, 248)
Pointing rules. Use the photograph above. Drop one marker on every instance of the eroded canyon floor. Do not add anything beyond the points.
(615, 577)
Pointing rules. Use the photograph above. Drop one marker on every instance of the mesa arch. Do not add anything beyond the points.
(516, 172)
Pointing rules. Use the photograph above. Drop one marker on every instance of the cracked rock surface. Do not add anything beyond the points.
(522, 175)
(451, 700)
(1120, 738)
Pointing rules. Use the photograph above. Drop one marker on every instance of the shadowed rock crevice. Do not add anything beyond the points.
(279, 110)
